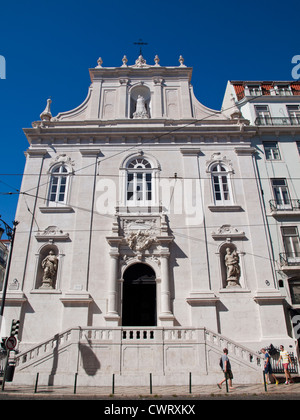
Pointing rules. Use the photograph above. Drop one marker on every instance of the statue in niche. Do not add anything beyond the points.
(233, 267)
(49, 265)
(140, 111)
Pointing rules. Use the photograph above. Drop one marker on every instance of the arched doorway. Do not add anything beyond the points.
(139, 296)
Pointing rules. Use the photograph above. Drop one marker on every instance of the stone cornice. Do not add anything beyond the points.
(153, 133)
(138, 72)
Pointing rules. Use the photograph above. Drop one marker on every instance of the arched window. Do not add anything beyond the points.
(58, 188)
(139, 189)
(221, 184)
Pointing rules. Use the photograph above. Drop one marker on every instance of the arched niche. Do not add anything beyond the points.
(47, 267)
(138, 93)
(230, 265)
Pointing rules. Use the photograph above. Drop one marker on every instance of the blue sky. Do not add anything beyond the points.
(49, 46)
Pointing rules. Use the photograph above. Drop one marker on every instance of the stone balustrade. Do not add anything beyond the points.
(163, 351)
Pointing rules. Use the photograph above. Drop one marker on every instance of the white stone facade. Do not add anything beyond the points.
(143, 195)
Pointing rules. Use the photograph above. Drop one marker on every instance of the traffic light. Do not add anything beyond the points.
(14, 327)
(2, 344)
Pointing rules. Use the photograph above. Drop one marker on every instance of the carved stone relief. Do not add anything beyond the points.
(61, 158)
(140, 241)
(227, 231)
(52, 233)
(219, 158)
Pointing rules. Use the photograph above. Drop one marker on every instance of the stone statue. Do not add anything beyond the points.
(49, 265)
(140, 111)
(233, 268)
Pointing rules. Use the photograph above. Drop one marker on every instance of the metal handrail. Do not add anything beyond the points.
(289, 258)
(267, 120)
(276, 205)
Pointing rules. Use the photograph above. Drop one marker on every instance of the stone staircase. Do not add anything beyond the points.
(131, 354)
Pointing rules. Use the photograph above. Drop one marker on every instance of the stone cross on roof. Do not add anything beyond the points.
(140, 43)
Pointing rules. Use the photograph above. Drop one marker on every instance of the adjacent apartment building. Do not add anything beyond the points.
(274, 109)
(150, 243)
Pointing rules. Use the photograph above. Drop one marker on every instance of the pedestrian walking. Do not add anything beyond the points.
(286, 360)
(268, 367)
(226, 366)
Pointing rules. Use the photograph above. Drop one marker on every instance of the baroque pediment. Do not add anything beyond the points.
(52, 233)
(228, 231)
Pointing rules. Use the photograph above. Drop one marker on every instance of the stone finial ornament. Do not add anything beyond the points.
(181, 61)
(140, 62)
(99, 61)
(46, 114)
(236, 113)
(156, 60)
(124, 60)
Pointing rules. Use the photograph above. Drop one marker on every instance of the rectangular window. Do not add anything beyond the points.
(254, 90)
(295, 291)
(271, 150)
(130, 186)
(139, 188)
(291, 244)
(148, 187)
(283, 90)
(217, 189)
(53, 189)
(294, 114)
(263, 115)
(281, 193)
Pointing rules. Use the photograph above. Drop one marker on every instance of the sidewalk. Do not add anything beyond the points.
(169, 392)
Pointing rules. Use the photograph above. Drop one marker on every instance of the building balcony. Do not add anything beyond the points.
(289, 260)
(278, 121)
(291, 206)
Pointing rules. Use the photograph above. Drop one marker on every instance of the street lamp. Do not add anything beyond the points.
(10, 232)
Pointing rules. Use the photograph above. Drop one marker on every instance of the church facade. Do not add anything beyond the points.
(142, 245)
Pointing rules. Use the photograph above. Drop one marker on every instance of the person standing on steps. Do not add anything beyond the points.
(226, 366)
(267, 366)
(286, 360)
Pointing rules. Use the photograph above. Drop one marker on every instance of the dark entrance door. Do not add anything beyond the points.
(139, 296)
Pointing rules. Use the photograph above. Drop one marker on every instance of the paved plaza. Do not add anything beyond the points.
(256, 391)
